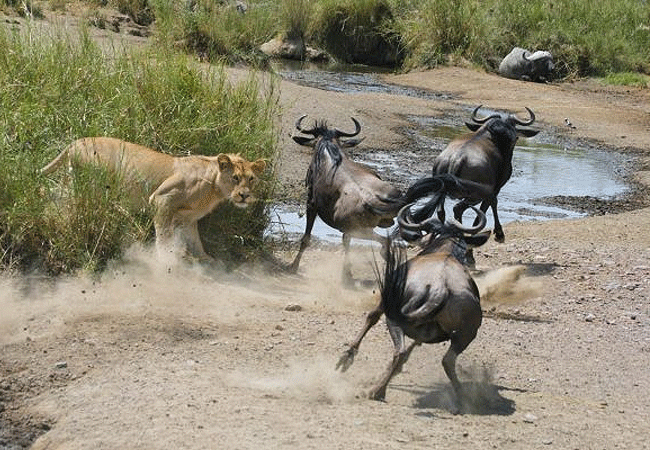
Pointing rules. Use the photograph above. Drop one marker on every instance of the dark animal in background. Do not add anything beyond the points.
(346, 195)
(520, 64)
(430, 298)
(483, 158)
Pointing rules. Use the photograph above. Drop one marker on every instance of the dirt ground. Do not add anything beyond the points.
(156, 354)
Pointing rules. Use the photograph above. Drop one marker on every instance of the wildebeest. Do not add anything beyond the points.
(346, 195)
(484, 158)
(520, 64)
(430, 298)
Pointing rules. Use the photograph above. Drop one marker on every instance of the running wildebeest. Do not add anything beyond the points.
(346, 195)
(430, 298)
(484, 157)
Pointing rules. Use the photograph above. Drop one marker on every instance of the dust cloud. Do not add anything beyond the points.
(507, 286)
(144, 282)
(313, 380)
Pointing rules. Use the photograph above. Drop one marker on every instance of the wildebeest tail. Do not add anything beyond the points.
(392, 282)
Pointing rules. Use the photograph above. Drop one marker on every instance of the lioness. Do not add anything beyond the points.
(183, 189)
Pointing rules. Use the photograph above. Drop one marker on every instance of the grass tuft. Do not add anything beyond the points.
(59, 88)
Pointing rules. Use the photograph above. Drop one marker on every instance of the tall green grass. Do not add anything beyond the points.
(54, 89)
(217, 30)
(356, 31)
(587, 37)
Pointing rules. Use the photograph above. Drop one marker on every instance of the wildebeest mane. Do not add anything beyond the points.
(327, 145)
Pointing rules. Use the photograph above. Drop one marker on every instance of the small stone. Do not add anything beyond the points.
(293, 307)
(590, 317)
(530, 418)
(61, 365)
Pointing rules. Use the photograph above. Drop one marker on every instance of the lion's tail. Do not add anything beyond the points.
(60, 159)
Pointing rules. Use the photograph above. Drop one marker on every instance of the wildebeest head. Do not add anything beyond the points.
(320, 130)
(325, 140)
(504, 130)
(432, 232)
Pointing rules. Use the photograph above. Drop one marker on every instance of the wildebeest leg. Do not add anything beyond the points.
(458, 342)
(347, 266)
(400, 356)
(347, 359)
(306, 237)
(498, 231)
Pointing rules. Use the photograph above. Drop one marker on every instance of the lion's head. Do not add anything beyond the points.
(237, 177)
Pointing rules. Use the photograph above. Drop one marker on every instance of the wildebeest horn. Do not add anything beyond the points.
(299, 127)
(356, 131)
(482, 119)
(527, 122)
(406, 223)
(482, 221)
(405, 220)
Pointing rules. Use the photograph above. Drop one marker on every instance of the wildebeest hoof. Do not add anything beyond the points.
(346, 360)
(378, 395)
(500, 238)
(290, 268)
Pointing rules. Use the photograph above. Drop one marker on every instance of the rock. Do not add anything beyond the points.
(530, 418)
(279, 47)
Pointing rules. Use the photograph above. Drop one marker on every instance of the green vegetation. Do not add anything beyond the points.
(628, 79)
(56, 89)
(215, 30)
(357, 31)
(587, 38)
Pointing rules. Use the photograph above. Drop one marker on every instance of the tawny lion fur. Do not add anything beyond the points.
(183, 189)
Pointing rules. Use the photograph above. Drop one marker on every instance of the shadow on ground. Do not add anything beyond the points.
(478, 398)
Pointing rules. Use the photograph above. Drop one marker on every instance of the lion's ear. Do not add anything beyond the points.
(258, 166)
(225, 163)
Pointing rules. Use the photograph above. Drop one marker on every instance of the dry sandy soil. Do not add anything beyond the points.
(156, 354)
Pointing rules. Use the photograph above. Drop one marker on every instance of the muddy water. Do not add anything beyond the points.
(542, 167)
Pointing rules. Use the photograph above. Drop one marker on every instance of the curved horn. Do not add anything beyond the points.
(527, 122)
(357, 130)
(404, 219)
(482, 221)
(406, 223)
(482, 119)
(299, 127)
